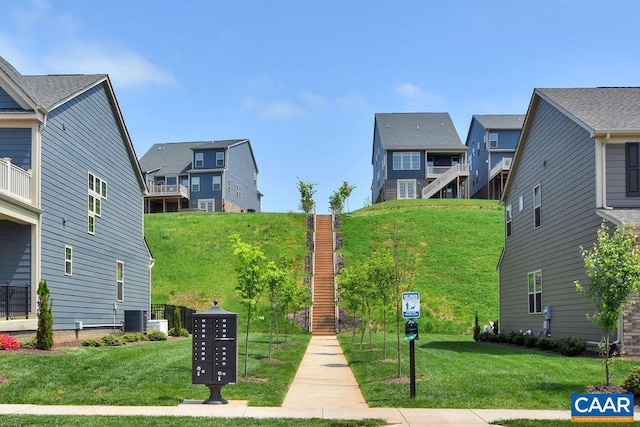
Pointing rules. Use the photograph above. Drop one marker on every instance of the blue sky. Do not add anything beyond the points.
(303, 79)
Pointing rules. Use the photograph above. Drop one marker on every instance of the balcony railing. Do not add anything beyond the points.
(168, 190)
(15, 301)
(14, 181)
(503, 165)
(450, 173)
(436, 171)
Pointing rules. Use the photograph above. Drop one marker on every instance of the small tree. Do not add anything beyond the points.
(307, 190)
(381, 272)
(249, 270)
(345, 191)
(613, 268)
(178, 330)
(44, 334)
(336, 203)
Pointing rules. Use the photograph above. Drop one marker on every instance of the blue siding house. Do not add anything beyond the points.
(417, 155)
(212, 176)
(576, 165)
(71, 204)
(491, 142)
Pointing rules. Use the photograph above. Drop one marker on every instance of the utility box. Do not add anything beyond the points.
(215, 350)
(136, 321)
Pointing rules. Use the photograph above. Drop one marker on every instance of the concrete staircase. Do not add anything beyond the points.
(324, 305)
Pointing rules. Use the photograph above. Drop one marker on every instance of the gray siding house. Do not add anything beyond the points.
(491, 142)
(576, 165)
(71, 203)
(213, 176)
(417, 155)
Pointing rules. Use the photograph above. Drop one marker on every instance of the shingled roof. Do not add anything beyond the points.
(49, 91)
(599, 109)
(500, 121)
(434, 131)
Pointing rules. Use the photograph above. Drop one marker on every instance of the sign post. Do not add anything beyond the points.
(411, 310)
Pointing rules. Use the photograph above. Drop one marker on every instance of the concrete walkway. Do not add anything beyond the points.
(324, 387)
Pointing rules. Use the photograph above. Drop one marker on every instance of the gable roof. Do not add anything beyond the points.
(600, 111)
(50, 91)
(418, 131)
(44, 93)
(174, 158)
(500, 121)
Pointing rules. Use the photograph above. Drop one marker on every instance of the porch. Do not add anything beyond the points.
(449, 175)
(14, 181)
(166, 198)
(15, 301)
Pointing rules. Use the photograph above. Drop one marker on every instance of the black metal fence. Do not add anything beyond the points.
(166, 311)
(15, 301)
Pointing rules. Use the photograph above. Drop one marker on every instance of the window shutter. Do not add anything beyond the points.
(632, 169)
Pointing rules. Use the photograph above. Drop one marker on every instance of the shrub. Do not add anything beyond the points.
(174, 332)
(503, 338)
(133, 337)
(632, 382)
(571, 346)
(112, 340)
(7, 342)
(44, 333)
(92, 342)
(530, 341)
(493, 338)
(476, 329)
(156, 336)
(547, 343)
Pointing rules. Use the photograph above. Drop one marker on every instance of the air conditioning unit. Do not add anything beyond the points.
(136, 321)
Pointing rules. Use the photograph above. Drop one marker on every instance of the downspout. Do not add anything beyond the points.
(603, 160)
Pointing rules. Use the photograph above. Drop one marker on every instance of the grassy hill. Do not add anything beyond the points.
(194, 258)
(458, 243)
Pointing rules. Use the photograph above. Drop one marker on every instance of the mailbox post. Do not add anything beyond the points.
(215, 351)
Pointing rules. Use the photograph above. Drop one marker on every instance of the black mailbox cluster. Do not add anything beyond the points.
(215, 350)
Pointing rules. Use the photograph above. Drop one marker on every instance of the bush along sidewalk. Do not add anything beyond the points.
(567, 346)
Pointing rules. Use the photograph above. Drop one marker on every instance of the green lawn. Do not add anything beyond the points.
(458, 244)
(456, 372)
(113, 421)
(150, 373)
(194, 258)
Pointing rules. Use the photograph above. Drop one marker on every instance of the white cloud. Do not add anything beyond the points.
(281, 110)
(353, 102)
(125, 68)
(409, 90)
(313, 99)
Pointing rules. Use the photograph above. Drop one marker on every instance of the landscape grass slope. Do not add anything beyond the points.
(458, 243)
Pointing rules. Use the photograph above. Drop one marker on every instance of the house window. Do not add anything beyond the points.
(406, 189)
(206, 205)
(406, 161)
(198, 160)
(239, 191)
(195, 184)
(96, 193)
(632, 169)
(493, 140)
(220, 159)
(68, 260)
(535, 292)
(217, 182)
(537, 206)
(508, 216)
(119, 281)
(521, 204)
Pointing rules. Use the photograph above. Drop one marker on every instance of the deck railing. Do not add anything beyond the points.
(14, 181)
(168, 190)
(15, 301)
(503, 165)
(452, 172)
